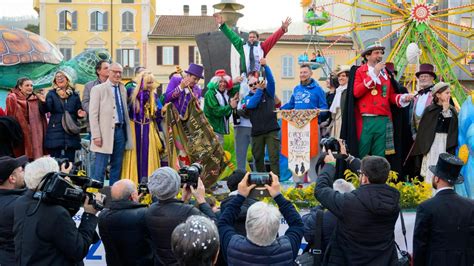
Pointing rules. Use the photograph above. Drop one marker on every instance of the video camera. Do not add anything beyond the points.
(56, 189)
(190, 174)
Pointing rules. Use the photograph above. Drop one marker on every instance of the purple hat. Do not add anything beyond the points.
(195, 70)
(426, 69)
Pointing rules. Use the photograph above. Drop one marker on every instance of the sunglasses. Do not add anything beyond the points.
(253, 84)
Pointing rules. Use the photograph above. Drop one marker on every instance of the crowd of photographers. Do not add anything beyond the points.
(351, 227)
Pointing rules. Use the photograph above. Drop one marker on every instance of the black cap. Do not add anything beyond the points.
(9, 164)
(448, 168)
(234, 179)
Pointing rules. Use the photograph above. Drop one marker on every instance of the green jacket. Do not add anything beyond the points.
(216, 114)
(237, 42)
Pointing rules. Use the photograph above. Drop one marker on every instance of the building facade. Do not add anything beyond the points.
(120, 26)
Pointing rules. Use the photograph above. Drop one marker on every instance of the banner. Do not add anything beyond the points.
(300, 139)
(190, 139)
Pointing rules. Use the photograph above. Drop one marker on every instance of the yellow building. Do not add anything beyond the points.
(172, 42)
(120, 26)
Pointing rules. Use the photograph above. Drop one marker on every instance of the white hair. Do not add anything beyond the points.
(36, 170)
(342, 186)
(122, 189)
(262, 224)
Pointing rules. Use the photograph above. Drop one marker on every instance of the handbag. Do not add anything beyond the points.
(314, 256)
(405, 259)
(70, 125)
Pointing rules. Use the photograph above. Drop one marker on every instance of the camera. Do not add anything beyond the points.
(55, 189)
(67, 164)
(260, 179)
(331, 143)
(143, 187)
(190, 174)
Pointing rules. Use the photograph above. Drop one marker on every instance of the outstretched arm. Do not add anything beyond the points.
(268, 44)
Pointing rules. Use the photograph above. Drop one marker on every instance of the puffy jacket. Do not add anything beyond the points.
(161, 219)
(56, 137)
(8, 198)
(123, 231)
(366, 221)
(49, 236)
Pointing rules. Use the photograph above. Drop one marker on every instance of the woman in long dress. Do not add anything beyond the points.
(438, 130)
(144, 111)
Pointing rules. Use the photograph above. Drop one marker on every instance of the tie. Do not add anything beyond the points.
(251, 57)
(424, 91)
(118, 103)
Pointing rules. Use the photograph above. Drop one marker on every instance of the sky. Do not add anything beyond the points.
(258, 14)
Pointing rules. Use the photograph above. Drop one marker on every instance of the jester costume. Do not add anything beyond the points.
(144, 121)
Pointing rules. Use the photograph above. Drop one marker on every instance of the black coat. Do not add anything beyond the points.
(444, 231)
(327, 228)
(11, 136)
(123, 231)
(56, 137)
(161, 219)
(8, 198)
(49, 236)
(364, 232)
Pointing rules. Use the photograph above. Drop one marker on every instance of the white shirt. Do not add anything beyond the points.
(420, 104)
(376, 78)
(112, 87)
(443, 188)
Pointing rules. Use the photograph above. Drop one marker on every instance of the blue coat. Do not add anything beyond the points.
(56, 137)
(309, 96)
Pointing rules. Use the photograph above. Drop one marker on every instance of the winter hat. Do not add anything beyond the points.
(234, 179)
(164, 183)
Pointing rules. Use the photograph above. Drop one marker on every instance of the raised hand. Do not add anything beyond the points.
(219, 19)
(285, 24)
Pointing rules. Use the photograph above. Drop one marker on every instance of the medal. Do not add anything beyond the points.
(374, 92)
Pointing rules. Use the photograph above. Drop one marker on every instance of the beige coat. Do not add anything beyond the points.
(102, 117)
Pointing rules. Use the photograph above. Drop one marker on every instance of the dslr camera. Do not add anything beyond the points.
(190, 174)
(55, 189)
(332, 144)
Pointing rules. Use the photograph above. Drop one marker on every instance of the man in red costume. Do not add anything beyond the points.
(375, 92)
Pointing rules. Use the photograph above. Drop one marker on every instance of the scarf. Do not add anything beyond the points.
(336, 103)
(64, 94)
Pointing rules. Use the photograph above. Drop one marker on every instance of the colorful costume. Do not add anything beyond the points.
(466, 146)
(180, 102)
(258, 49)
(145, 116)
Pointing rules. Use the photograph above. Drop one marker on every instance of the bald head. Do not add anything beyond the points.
(123, 190)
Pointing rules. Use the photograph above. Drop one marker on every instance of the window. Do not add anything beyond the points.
(368, 22)
(194, 55)
(127, 21)
(98, 21)
(287, 66)
(286, 95)
(327, 67)
(168, 56)
(67, 53)
(128, 1)
(67, 20)
(65, 1)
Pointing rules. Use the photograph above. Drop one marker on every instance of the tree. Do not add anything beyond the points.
(33, 28)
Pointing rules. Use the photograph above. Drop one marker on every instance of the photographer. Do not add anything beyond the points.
(122, 227)
(163, 216)
(45, 233)
(261, 245)
(344, 160)
(364, 232)
(11, 188)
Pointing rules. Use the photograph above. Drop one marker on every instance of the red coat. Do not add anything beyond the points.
(32, 121)
(372, 104)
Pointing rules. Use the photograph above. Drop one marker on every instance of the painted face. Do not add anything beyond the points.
(342, 78)
(61, 80)
(27, 87)
(115, 74)
(425, 80)
(103, 72)
(305, 73)
(253, 37)
(375, 57)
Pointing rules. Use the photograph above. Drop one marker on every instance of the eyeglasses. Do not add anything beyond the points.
(60, 77)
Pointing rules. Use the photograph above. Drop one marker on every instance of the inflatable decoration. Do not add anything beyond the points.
(466, 144)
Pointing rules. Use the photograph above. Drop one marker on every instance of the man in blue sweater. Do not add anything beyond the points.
(260, 105)
(261, 246)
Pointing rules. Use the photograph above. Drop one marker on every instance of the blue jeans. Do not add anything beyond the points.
(243, 139)
(116, 158)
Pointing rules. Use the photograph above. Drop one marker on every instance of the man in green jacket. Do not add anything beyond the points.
(219, 101)
(253, 50)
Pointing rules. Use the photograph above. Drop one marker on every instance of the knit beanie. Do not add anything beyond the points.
(164, 183)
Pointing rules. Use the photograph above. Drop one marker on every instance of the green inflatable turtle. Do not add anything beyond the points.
(23, 53)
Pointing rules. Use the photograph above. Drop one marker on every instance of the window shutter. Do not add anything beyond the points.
(124, 21)
(74, 20)
(290, 66)
(119, 56)
(93, 21)
(159, 55)
(62, 20)
(137, 57)
(176, 55)
(191, 54)
(105, 21)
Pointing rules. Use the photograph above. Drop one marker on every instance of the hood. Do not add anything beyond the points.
(379, 198)
(312, 84)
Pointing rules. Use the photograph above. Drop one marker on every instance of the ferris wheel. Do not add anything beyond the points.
(422, 32)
